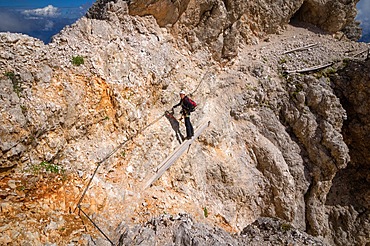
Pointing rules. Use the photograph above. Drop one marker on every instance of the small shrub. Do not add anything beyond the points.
(330, 71)
(16, 81)
(50, 167)
(10, 75)
(299, 87)
(77, 60)
(286, 227)
(24, 109)
(282, 60)
(21, 188)
(250, 88)
(325, 73)
(205, 211)
(346, 61)
(45, 166)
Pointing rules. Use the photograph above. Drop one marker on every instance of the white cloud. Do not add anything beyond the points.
(33, 18)
(48, 11)
(363, 8)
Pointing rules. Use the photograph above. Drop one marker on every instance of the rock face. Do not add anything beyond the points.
(165, 12)
(222, 25)
(280, 145)
(182, 230)
(350, 185)
(330, 15)
(316, 117)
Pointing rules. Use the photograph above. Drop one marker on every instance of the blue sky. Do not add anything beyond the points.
(40, 18)
(45, 18)
(363, 15)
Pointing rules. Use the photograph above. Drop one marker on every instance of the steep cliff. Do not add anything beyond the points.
(348, 199)
(222, 25)
(285, 155)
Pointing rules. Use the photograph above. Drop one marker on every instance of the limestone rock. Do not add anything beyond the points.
(330, 15)
(279, 145)
(165, 12)
(222, 25)
(182, 230)
(348, 198)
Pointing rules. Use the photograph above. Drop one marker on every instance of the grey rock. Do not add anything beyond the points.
(184, 231)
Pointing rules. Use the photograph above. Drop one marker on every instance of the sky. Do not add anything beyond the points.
(40, 18)
(363, 15)
(44, 18)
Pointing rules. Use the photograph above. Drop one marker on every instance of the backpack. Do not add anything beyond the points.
(193, 105)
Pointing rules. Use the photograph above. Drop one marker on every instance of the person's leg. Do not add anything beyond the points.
(191, 128)
(188, 127)
(178, 133)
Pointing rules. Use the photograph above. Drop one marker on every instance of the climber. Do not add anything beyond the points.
(187, 106)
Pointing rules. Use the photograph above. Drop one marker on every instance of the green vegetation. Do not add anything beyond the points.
(21, 188)
(282, 60)
(24, 109)
(77, 60)
(205, 211)
(10, 75)
(298, 88)
(49, 167)
(326, 72)
(45, 166)
(346, 61)
(250, 87)
(286, 227)
(16, 81)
